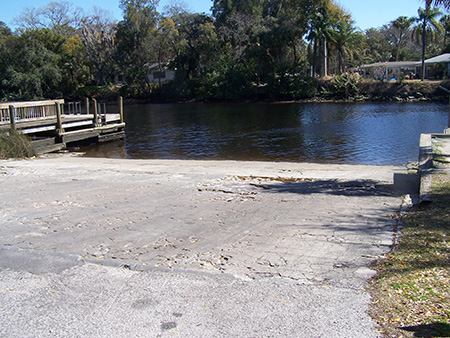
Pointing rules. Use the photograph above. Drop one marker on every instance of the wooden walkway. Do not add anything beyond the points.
(53, 125)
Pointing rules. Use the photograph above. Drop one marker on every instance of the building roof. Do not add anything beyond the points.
(393, 64)
(438, 59)
(157, 66)
(405, 64)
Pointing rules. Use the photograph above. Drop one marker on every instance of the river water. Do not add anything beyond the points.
(363, 133)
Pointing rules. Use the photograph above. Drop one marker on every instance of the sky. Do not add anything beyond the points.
(366, 13)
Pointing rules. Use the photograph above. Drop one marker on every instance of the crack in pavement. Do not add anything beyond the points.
(253, 224)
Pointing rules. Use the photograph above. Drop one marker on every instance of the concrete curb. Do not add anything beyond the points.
(429, 163)
(425, 167)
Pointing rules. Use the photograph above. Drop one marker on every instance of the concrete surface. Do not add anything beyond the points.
(190, 248)
(434, 156)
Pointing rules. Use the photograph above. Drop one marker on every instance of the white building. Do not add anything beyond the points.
(160, 73)
(436, 68)
(389, 70)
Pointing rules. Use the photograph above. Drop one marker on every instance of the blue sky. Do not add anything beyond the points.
(366, 13)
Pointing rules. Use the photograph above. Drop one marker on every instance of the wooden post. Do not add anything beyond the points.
(87, 105)
(94, 103)
(58, 118)
(121, 108)
(103, 117)
(12, 117)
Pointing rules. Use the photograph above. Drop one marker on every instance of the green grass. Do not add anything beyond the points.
(15, 145)
(411, 293)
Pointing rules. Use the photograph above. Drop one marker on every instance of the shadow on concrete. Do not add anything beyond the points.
(404, 184)
(407, 184)
(429, 330)
(357, 188)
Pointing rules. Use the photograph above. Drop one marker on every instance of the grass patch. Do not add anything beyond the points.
(15, 145)
(411, 294)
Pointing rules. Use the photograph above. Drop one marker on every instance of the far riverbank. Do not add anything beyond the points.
(328, 89)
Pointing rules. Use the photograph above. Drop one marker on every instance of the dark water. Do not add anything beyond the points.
(366, 133)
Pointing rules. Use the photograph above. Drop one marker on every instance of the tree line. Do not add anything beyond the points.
(273, 49)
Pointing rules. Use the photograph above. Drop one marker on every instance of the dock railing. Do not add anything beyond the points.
(12, 113)
(73, 108)
(53, 125)
(17, 111)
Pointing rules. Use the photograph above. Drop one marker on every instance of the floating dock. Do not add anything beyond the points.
(54, 125)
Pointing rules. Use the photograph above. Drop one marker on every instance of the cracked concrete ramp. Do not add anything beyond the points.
(308, 230)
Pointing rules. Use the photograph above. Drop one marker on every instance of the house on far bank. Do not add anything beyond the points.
(160, 72)
(437, 67)
(156, 73)
(389, 70)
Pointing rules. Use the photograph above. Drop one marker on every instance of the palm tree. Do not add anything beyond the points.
(445, 3)
(426, 25)
(319, 33)
(342, 37)
(445, 21)
(401, 25)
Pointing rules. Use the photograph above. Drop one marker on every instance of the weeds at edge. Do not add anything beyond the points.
(411, 294)
(15, 145)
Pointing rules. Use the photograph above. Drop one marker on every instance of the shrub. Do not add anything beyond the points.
(15, 145)
(346, 85)
(286, 82)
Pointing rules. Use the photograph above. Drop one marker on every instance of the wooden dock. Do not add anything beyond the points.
(54, 125)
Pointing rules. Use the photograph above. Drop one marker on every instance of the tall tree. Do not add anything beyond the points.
(162, 48)
(342, 38)
(140, 15)
(444, 3)
(222, 9)
(175, 9)
(319, 32)
(379, 48)
(445, 21)
(198, 45)
(400, 30)
(29, 65)
(75, 66)
(327, 23)
(61, 17)
(4, 30)
(426, 25)
(343, 34)
(98, 37)
(133, 35)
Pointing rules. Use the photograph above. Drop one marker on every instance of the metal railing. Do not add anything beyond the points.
(73, 108)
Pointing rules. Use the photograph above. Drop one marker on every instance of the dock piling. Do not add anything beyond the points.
(121, 108)
(87, 106)
(59, 128)
(12, 117)
(94, 103)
